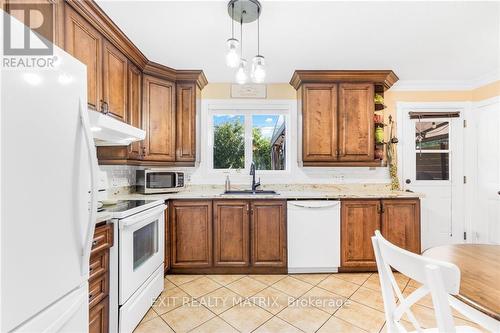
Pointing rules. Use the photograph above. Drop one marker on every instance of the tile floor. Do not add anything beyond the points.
(277, 303)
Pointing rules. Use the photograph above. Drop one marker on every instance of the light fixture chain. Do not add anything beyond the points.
(241, 36)
(232, 21)
(258, 31)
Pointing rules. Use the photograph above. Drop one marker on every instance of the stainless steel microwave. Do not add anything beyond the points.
(149, 181)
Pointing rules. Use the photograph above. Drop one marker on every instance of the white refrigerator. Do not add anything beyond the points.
(48, 198)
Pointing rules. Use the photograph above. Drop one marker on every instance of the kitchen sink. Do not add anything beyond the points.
(250, 192)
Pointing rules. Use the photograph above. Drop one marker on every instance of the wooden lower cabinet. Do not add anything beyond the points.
(268, 233)
(397, 219)
(359, 220)
(99, 279)
(228, 236)
(401, 223)
(191, 233)
(231, 233)
(99, 317)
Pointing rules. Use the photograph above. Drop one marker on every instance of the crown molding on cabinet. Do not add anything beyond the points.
(385, 77)
(94, 14)
(192, 75)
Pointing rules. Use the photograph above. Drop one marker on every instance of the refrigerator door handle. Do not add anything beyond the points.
(88, 237)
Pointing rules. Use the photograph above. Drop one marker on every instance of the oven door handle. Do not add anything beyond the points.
(142, 217)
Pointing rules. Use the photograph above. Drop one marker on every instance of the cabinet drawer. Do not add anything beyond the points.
(99, 264)
(99, 317)
(103, 238)
(98, 289)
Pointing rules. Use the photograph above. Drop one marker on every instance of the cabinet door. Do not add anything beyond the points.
(166, 261)
(134, 107)
(186, 122)
(85, 43)
(319, 122)
(356, 127)
(268, 233)
(359, 220)
(99, 317)
(191, 228)
(231, 233)
(401, 223)
(115, 81)
(159, 119)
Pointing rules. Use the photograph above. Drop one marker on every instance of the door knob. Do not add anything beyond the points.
(407, 181)
(498, 192)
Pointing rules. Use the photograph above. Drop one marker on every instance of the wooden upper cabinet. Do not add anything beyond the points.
(114, 82)
(231, 233)
(356, 126)
(268, 233)
(134, 116)
(359, 220)
(159, 119)
(85, 43)
(319, 122)
(186, 122)
(191, 233)
(401, 223)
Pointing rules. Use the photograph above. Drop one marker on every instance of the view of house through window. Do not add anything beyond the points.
(265, 132)
(432, 149)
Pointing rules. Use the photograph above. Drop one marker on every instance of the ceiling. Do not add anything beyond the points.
(420, 41)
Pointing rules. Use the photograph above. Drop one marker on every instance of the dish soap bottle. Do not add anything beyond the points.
(227, 185)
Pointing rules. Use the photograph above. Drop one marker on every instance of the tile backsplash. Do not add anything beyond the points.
(120, 175)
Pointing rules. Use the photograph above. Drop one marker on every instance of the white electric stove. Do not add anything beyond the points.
(136, 260)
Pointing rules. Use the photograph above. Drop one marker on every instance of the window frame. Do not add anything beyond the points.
(247, 110)
(428, 151)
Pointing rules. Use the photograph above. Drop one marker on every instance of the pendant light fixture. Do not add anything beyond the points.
(241, 73)
(244, 11)
(258, 62)
(232, 57)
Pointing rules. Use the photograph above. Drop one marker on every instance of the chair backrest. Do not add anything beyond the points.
(437, 277)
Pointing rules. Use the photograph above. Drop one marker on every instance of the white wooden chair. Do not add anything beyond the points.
(437, 278)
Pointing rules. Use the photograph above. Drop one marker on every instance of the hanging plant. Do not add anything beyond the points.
(392, 159)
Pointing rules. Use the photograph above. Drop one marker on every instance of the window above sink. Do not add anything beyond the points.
(237, 136)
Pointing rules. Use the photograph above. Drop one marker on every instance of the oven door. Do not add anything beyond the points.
(141, 242)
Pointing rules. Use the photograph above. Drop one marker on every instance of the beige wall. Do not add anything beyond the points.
(286, 91)
(223, 91)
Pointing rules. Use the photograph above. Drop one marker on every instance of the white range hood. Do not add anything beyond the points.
(108, 131)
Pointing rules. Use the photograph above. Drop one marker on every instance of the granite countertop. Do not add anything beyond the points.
(290, 192)
(102, 216)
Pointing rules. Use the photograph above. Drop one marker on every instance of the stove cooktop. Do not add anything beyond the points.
(124, 208)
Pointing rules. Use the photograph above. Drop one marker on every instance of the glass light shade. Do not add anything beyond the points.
(241, 73)
(258, 69)
(232, 57)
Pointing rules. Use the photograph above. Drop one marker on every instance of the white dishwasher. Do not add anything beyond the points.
(313, 236)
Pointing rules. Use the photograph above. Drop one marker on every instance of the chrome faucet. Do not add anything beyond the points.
(252, 173)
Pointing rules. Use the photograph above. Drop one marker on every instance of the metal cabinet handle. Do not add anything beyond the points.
(94, 243)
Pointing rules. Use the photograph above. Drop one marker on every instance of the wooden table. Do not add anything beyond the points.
(480, 274)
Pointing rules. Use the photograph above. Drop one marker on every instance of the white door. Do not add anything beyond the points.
(485, 220)
(432, 164)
